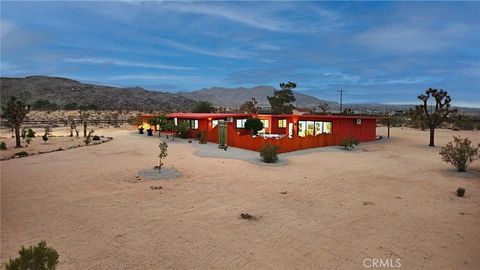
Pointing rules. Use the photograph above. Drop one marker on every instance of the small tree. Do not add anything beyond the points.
(324, 108)
(434, 116)
(163, 154)
(45, 137)
(254, 125)
(15, 112)
(281, 101)
(204, 107)
(39, 257)
(202, 137)
(249, 106)
(349, 142)
(88, 138)
(460, 153)
(30, 133)
(3, 146)
(84, 117)
(24, 133)
(269, 153)
(183, 130)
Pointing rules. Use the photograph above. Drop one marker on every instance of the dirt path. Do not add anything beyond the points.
(388, 199)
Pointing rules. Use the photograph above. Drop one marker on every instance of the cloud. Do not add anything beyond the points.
(411, 38)
(232, 52)
(117, 62)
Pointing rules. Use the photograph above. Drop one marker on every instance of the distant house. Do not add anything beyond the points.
(288, 132)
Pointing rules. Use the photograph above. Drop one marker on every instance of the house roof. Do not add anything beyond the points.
(206, 115)
(225, 115)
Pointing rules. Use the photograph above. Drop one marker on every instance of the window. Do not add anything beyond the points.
(282, 123)
(175, 121)
(214, 123)
(314, 128)
(264, 122)
(241, 123)
(194, 124)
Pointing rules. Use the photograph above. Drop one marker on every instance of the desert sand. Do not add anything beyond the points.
(390, 198)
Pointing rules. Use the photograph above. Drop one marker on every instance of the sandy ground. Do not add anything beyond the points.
(387, 199)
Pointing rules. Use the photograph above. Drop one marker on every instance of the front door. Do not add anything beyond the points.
(222, 132)
(290, 130)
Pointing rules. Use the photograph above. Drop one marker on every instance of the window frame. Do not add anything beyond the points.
(305, 123)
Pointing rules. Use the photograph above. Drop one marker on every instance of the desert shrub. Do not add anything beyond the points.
(30, 133)
(463, 122)
(22, 154)
(269, 153)
(349, 142)
(460, 153)
(202, 138)
(3, 146)
(183, 130)
(460, 192)
(23, 133)
(96, 138)
(45, 137)
(254, 125)
(88, 138)
(28, 140)
(163, 146)
(39, 257)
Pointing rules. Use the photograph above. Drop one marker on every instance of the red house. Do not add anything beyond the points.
(288, 132)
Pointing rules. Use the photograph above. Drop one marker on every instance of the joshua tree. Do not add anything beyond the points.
(84, 117)
(249, 106)
(204, 107)
(435, 116)
(254, 125)
(88, 138)
(324, 107)
(15, 112)
(281, 101)
(163, 154)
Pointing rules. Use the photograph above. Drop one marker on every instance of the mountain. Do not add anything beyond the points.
(62, 91)
(234, 97)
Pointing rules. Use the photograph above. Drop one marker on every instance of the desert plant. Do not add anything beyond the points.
(88, 139)
(249, 106)
(349, 142)
(163, 154)
(39, 257)
(15, 112)
(73, 127)
(76, 133)
(254, 125)
(281, 101)
(45, 137)
(23, 133)
(460, 192)
(183, 130)
(30, 133)
(463, 122)
(22, 154)
(460, 153)
(28, 140)
(96, 138)
(140, 130)
(204, 107)
(3, 146)
(269, 153)
(434, 117)
(202, 138)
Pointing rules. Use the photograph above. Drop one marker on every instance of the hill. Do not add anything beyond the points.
(63, 91)
(233, 97)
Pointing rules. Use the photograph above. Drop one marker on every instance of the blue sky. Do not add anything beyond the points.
(387, 52)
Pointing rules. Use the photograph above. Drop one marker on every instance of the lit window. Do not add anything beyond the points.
(282, 123)
(310, 128)
(241, 123)
(318, 128)
(327, 127)
(194, 124)
(214, 123)
(302, 127)
(175, 121)
(264, 122)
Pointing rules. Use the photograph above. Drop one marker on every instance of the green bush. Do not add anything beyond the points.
(254, 125)
(269, 153)
(3, 146)
(463, 122)
(202, 138)
(349, 142)
(30, 133)
(460, 153)
(39, 257)
(183, 130)
(460, 192)
(22, 154)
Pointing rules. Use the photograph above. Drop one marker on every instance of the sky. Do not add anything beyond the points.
(378, 52)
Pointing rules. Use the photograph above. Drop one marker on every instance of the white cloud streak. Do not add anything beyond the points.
(117, 62)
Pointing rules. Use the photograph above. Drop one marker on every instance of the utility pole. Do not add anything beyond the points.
(341, 99)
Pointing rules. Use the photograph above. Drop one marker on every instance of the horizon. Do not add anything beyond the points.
(384, 53)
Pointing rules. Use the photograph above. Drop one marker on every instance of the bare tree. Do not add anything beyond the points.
(15, 112)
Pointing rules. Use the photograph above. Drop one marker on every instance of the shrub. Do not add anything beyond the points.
(22, 154)
(39, 257)
(30, 133)
(183, 130)
(96, 138)
(3, 146)
(23, 133)
(45, 137)
(269, 153)
(349, 142)
(202, 138)
(460, 192)
(254, 125)
(163, 146)
(460, 153)
(463, 122)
